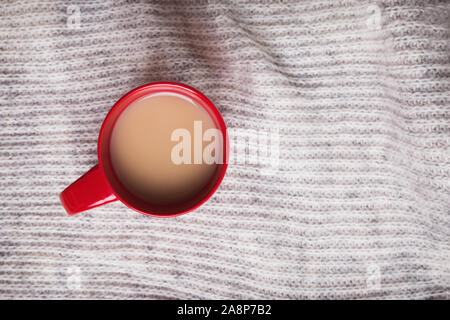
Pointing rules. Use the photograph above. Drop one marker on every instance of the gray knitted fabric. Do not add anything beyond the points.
(359, 206)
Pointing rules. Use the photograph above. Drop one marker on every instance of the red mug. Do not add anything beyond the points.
(100, 184)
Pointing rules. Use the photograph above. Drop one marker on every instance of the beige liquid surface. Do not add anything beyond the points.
(141, 149)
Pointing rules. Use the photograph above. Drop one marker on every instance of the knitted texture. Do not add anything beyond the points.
(359, 92)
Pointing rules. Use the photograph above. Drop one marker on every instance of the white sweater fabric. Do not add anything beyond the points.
(358, 206)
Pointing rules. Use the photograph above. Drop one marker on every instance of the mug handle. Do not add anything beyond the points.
(89, 191)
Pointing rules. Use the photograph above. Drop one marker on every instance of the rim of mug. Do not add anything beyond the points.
(212, 108)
